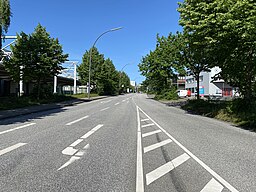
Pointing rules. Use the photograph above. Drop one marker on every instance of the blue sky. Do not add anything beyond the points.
(78, 23)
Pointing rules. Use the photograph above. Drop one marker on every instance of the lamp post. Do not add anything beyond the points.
(90, 59)
(121, 74)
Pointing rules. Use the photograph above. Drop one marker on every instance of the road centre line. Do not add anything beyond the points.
(104, 109)
(151, 133)
(148, 125)
(11, 148)
(206, 167)
(157, 145)
(20, 127)
(77, 120)
(139, 166)
(212, 186)
(166, 168)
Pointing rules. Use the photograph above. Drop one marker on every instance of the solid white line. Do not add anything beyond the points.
(9, 149)
(20, 127)
(148, 125)
(71, 160)
(157, 145)
(77, 120)
(76, 142)
(212, 186)
(117, 103)
(89, 133)
(139, 168)
(162, 170)
(144, 120)
(151, 133)
(207, 168)
(104, 109)
(106, 101)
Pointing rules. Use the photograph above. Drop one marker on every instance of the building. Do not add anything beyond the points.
(209, 87)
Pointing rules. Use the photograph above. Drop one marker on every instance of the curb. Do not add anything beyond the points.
(43, 107)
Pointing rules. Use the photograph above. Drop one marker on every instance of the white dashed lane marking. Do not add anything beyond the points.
(20, 127)
(11, 148)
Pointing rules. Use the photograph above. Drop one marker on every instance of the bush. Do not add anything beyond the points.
(167, 94)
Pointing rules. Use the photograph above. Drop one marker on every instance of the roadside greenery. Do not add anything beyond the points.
(36, 57)
(5, 15)
(235, 111)
(105, 79)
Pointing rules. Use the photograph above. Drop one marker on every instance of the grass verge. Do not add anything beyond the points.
(238, 111)
(7, 103)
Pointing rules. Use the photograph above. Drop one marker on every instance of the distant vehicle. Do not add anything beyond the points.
(184, 93)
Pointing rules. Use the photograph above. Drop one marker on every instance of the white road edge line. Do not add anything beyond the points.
(212, 186)
(139, 168)
(77, 120)
(157, 145)
(206, 167)
(104, 109)
(151, 133)
(166, 168)
(13, 147)
(20, 127)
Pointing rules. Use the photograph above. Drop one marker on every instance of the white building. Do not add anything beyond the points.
(208, 86)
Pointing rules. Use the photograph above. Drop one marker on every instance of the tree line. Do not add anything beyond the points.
(215, 33)
(105, 79)
(37, 57)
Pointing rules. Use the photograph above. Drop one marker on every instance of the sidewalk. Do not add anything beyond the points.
(44, 107)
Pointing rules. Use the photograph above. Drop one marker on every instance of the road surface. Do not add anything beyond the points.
(124, 143)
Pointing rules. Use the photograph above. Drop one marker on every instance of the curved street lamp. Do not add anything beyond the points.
(121, 74)
(90, 59)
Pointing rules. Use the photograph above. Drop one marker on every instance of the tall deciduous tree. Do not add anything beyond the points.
(36, 56)
(104, 77)
(228, 28)
(5, 15)
(162, 65)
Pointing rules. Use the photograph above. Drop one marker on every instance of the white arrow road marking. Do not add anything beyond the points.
(77, 120)
(20, 127)
(212, 186)
(9, 149)
(71, 160)
(162, 170)
(75, 153)
(69, 151)
(91, 131)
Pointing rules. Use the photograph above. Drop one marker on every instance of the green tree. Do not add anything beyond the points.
(5, 15)
(228, 28)
(104, 77)
(162, 65)
(124, 82)
(96, 64)
(37, 57)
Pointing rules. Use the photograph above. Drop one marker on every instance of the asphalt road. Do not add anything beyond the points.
(125, 143)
